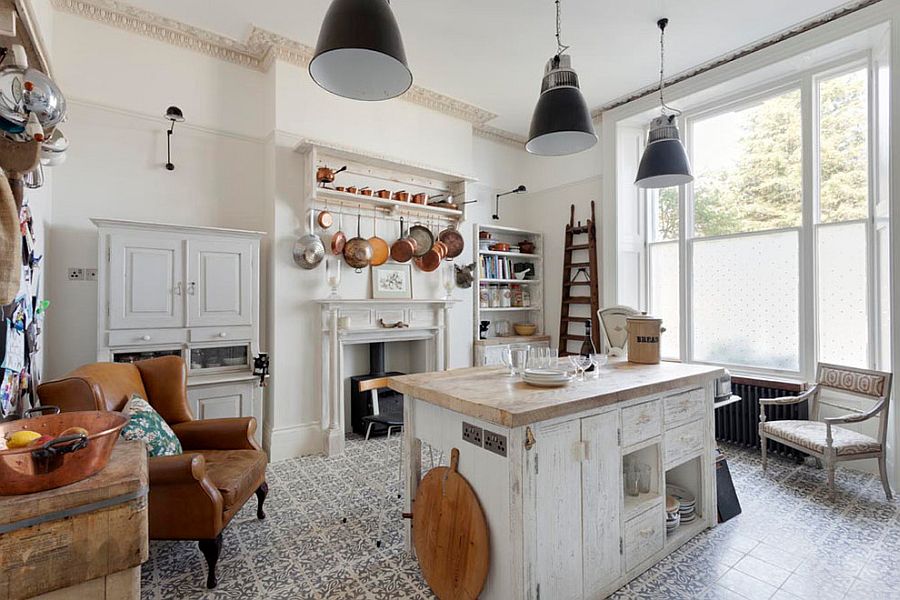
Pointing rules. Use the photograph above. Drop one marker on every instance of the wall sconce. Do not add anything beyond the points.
(173, 114)
(518, 190)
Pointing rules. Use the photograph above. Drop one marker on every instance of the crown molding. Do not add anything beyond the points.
(495, 134)
(259, 52)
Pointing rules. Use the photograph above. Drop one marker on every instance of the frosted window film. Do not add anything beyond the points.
(841, 307)
(664, 301)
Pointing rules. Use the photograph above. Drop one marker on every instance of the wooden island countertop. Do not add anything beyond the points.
(491, 394)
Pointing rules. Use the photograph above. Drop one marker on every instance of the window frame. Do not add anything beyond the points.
(807, 82)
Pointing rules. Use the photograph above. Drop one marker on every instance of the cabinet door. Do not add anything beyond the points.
(557, 510)
(220, 282)
(601, 493)
(223, 400)
(145, 282)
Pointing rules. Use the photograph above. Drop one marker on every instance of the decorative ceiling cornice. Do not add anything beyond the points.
(260, 50)
(496, 134)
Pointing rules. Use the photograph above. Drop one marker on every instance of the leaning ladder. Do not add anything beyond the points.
(579, 275)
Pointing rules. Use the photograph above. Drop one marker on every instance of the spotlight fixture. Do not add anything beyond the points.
(359, 54)
(665, 162)
(561, 123)
(173, 114)
(518, 190)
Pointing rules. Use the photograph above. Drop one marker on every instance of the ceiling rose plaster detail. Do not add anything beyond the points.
(260, 50)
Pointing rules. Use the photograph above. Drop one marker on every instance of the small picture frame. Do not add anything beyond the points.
(392, 281)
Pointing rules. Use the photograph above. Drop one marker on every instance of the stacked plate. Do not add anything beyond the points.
(673, 514)
(546, 377)
(687, 503)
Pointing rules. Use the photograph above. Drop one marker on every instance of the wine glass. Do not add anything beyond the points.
(449, 279)
(333, 275)
(580, 362)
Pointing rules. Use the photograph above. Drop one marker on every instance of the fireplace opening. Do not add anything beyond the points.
(362, 403)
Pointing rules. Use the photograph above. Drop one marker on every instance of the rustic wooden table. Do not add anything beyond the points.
(84, 540)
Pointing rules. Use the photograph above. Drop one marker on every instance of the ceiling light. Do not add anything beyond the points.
(665, 162)
(561, 123)
(360, 53)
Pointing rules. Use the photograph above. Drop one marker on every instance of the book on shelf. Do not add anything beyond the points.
(495, 267)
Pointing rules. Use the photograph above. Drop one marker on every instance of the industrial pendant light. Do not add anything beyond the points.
(561, 123)
(665, 162)
(360, 53)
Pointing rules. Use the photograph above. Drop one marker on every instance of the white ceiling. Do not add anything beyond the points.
(491, 53)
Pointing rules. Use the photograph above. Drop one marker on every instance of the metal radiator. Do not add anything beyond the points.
(738, 423)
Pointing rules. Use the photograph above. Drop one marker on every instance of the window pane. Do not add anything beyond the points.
(747, 167)
(746, 296)
(843, 147)
(664, 301)
(842, 313)
(665, 215)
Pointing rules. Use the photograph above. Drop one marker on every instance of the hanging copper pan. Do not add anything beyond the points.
(424, 239)
(431, 260)
(325, 218)
(453, 239)
(380, 249)
(339, 239)
(358, 251)
(404, 247)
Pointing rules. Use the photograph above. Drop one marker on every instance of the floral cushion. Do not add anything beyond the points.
(147, 425)
(811, 435)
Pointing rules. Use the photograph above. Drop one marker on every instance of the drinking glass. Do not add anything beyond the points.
(644, 478)
(598, 360)
(580, 362)
(515, 358)
(632, 480)
(553, 358)
(537, 357)
(333, 275)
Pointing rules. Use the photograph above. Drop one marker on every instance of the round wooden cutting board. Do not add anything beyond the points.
(450, 534)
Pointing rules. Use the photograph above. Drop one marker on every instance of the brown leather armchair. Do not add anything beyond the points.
(193, 496)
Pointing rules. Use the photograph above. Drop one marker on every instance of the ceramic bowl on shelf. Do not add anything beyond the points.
(500, 247)
(525, 328)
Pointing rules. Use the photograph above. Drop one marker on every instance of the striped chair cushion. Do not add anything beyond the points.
(811, 435)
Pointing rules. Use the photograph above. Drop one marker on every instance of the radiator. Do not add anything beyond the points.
(738, 423)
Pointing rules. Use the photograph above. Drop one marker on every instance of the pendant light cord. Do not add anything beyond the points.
(560, 47)
(662, 65)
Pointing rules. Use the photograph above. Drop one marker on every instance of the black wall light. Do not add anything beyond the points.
(665, 162)
(518, 190)
(561, 123)
(173, 114)
(359, 54)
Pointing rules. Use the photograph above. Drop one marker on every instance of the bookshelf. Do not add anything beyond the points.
(508, 287)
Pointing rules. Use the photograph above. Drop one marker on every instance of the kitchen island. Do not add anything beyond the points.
(547, 467)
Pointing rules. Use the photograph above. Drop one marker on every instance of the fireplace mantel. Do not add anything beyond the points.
(352, 321)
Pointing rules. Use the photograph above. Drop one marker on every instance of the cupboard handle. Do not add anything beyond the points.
(646, 532)
(145, 338)
(178, 288)
(191, 287)
(223, 334)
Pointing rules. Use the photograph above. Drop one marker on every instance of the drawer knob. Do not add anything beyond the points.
(223, 334)
(145, 338)
(647, 532)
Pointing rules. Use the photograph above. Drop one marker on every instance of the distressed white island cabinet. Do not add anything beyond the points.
(546, 465)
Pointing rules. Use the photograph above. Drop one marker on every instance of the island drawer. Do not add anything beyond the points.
(644, 537)
(684, 407)
(684, 442)
(641, 422)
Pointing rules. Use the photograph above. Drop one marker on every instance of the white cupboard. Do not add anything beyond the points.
(186, 291)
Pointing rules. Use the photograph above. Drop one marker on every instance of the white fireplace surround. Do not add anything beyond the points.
(424, 319)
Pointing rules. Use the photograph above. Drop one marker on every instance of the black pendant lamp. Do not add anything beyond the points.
(561, 123)
(360, 53)
(665, 162)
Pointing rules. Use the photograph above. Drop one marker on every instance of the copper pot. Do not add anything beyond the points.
(430, 261)
(325, 218)
(326, 174)
(366, 191)
(358, 251)
(339, 239)
(526, 247)
(384, 194)
(453, 239)
(441, 248)
(340, 188)
(404, 247)
(63, 460)
(352, 189)
(401, 196)
(420, 198)
(380, 249)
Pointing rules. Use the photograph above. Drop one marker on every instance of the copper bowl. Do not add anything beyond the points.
(63, 460)
(365, 191)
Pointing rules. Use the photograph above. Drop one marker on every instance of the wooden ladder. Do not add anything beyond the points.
(585, 276)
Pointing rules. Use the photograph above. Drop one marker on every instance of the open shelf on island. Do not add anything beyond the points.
(646, 455)
(687, 476)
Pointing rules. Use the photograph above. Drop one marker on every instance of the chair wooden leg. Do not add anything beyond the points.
(882, 468)
(211, 550)
(261, 493)
(829, 467)
(764, 446)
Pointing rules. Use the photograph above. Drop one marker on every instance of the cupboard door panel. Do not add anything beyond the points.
(601, 492)
(220, 286)
(225, 400)
(145, 278)
(558, 511)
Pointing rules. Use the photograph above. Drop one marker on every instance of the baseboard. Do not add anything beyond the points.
(297, 440)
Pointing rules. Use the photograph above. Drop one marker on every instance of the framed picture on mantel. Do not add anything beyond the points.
(392, 281)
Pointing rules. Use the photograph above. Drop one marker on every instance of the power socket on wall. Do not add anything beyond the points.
(472, 433)
(76, 274)
(494, 442)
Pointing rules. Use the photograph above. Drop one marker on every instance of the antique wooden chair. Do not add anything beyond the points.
(841, 396)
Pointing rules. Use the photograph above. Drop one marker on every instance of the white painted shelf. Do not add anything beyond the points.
(352, 201)
(513, 309)
(531, 281)
(510, 254)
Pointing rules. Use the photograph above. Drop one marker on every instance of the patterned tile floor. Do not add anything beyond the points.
(790, 543)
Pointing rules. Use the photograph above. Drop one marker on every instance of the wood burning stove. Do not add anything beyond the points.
(361, 403)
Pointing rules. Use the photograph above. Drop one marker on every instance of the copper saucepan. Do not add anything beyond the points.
(62, 460)
(358, 251)
(325, 218)
(383, 194)
(401, 196)
(380, 249)
(431, 260)
(404, 247)
(339, 239)
(453, 239)
(423, 237)
(326, 174)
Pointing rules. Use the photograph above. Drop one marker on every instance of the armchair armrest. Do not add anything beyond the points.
(855, 417)
(184, 502)
(785, 400)
(234, 433)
